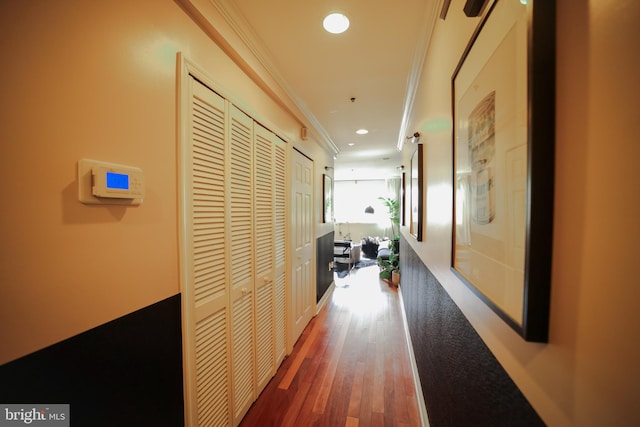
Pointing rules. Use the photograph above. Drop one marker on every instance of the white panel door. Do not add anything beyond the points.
(302, 283)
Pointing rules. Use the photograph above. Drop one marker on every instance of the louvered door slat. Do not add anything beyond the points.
(207, 197)
(241, 253)
(233, 255)
(280, 318)
(241, 197)
(280, 203)
(280, 239)
(205, 287)
(211, 360)
(265, 359)
(263, 188)
(263, 231)
(242, 338)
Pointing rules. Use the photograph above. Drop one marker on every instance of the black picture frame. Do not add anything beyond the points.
(416, 196)
(503, 163)
(327, 199)
(473, 8)
(403, 205)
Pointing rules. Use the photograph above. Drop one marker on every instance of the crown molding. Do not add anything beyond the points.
(429, 22)
(253, 46)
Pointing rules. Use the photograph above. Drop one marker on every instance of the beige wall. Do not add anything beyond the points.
(588, 374)
(96, 80)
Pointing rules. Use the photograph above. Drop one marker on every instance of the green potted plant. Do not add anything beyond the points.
(390, 268)
(393, 206)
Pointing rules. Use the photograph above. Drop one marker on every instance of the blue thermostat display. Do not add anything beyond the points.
(118, 181)
(110, 183)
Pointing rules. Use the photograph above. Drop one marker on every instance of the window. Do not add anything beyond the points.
(352, 197)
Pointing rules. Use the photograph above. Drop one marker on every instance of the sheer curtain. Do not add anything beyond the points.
(393, 188)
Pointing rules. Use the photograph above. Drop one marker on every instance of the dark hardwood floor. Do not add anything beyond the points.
(350, 366)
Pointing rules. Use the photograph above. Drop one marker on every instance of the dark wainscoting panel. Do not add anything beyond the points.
(324, 254)
(462, 382)
(127, 372)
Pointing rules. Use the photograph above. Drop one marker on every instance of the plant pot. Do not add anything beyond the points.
(395, 277)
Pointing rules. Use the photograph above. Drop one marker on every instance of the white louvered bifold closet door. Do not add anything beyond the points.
(241, 249)
(205, 291)
(264, 247)
(280, 241)
(233, 253)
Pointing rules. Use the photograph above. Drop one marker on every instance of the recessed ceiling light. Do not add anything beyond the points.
(362, 131)
(351, 144)
(336, 23)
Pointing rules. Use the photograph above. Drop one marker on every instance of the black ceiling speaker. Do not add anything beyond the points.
(474, 8)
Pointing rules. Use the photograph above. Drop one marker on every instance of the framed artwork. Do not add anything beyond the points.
(327, 191)
(403, 204)
(417, 208)
(503, 98)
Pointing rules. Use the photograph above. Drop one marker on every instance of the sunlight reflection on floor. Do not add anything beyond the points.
(361, 291)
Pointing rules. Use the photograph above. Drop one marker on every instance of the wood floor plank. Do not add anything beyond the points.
(293, 411)
(329, 374)
(377, 419)
(355, 398)
(377, 404)
(414, 411)
(299, 358)
(351, 422)
(366, 404)
(399, 400)
(337, 412)
(350, 367)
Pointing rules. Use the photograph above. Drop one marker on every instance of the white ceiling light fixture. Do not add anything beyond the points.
(336, 23)
(362, 131)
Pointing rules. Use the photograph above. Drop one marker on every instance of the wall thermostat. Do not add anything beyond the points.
(109, 183)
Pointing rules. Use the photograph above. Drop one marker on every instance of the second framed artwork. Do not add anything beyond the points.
(503, 98)
(417, 203)
(327, 191)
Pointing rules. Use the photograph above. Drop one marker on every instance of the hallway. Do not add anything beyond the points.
(350, 367)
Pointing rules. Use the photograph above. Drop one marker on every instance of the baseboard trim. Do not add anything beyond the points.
(326, 297)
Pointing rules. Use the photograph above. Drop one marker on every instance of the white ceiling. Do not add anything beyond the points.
(376, 62)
